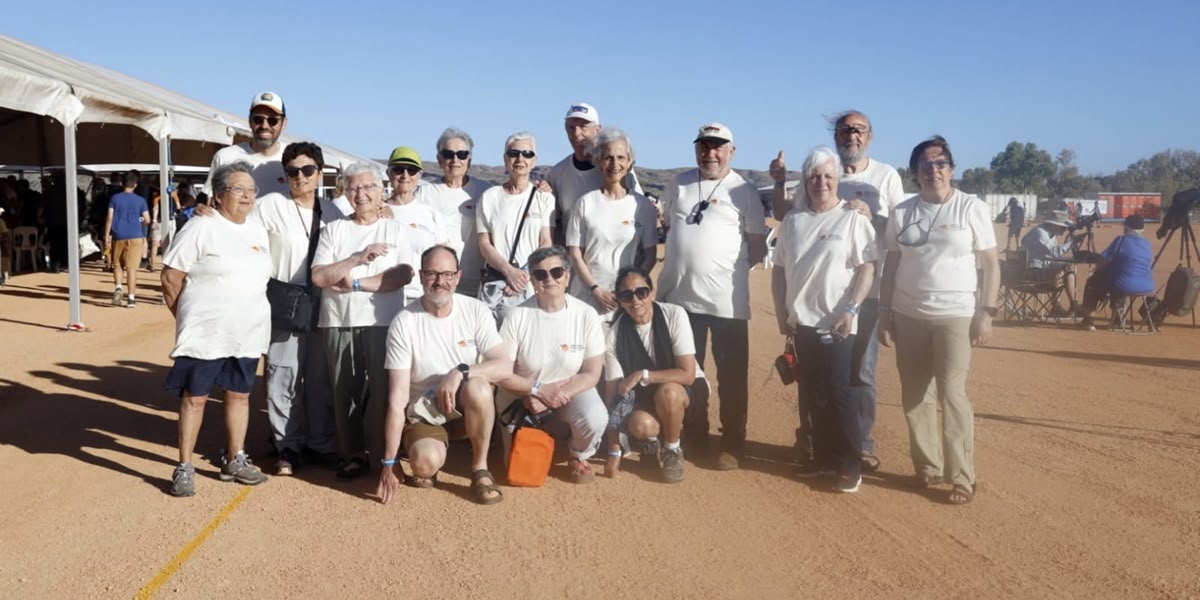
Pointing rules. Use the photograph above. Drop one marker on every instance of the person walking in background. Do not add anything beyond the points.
(1016, 221)
(123, 238)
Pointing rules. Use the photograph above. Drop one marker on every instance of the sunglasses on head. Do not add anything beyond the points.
(543, 274)
(627, 295)
(260, 119)
(398, 169)
(459, 154)
(308, 170)
(513, 153)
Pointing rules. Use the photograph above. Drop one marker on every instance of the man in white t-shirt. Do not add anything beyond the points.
(716, 230)
(576, 174)
(874, 189)
(268, 118)
(443, 357)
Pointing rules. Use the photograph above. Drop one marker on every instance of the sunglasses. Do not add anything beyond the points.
(434, 275)
(308, 170)
(398, 169)
(851, 129)
(697, 213)
(513, 153)
(459, 154)
(260, 119)
(929, 165)
(915, 234)
(543, 274)
(627, 295)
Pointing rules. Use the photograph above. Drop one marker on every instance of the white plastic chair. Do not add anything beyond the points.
(25, 244)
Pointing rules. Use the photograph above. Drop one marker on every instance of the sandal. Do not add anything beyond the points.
(581, 472)
(961, 494)
(423, 483)
(352, 468)
(924, 482)
(485, 493)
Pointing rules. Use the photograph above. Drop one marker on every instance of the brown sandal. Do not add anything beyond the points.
(581, 472)
(961, 494)
(485, 493)
(423, 483)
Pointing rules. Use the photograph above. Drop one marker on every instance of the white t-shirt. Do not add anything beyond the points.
(938, 279)
(570, 184)
(878, 185)
(707, 267)
(499, 212)
(429, 347)
(338, 241)
(551, 346)
(268, 168)
(457, 207)
(818, 253)
(288, 227)
(425, 230)
(609, 233)
(682, 341)
(223, 310)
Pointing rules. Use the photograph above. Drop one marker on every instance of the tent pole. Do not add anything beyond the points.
(71, 176)
(164, 194)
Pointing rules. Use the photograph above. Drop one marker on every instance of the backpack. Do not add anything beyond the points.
(1183, 286)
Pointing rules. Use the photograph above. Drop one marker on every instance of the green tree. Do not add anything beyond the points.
(1022, 168)
(978, 181)
(1067, 182)
(906, 179)
(1166, 172)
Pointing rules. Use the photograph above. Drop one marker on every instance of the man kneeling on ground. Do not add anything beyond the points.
(443, 355)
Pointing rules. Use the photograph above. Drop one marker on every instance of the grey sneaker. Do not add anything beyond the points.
(130, 303)
(118, 297)
(241, 470)
(182, 481)
(651, 450)
(671, 462)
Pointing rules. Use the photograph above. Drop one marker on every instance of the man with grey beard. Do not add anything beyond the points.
(874, 189)
(268, 118)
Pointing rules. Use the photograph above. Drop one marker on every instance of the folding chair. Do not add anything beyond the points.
(1025, 298)
(1123, 315)
(25, 246)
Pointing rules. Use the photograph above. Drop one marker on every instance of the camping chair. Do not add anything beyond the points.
(1123, 315)
(25, 245)
(1025, 299)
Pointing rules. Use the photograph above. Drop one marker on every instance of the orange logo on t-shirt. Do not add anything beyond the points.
(462, 343)
(565, 347)
(412, 225)
(625, 222)
(257, 248)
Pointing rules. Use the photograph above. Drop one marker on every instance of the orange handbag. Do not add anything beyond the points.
(530, 458)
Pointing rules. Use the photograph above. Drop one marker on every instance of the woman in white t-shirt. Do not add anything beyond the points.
(611, 228)
(556, 342)
(455, 196)
(423, 223)
(214, 281)
(655, 387)
(824, 267)
(362, 264)
(934, 306)
(507, 230)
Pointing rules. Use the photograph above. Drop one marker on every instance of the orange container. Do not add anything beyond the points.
(531, 457)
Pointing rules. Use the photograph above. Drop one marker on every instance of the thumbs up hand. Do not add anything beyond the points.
(778, 168)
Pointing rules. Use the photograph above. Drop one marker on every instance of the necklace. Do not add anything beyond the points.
(700, 189)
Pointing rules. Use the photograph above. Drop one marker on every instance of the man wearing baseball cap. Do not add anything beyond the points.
(575, 175)
(268, 117)
(716, 230)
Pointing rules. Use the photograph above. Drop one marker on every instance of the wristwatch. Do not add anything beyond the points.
(990, 310)
(645, 378)
(464, 369)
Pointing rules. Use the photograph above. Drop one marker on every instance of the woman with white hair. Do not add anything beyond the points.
(455, 197)
(611, 228)
(363, 264)
(512, 220)
(824, 267)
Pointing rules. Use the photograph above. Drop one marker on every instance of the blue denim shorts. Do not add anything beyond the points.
(197, 377)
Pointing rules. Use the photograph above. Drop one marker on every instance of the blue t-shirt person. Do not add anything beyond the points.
(127, 209)
(1129, 258)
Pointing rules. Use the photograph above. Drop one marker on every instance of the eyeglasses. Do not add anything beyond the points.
(308, 170)
(697, 213)
(627, 295)
(398, 169)
(245, 192)
(362, 189)
(543, 274)
(434, 275)
(460, 154)
(513, 153)
(260, 119)
(852, 129)
(929, 165)
(914, 235)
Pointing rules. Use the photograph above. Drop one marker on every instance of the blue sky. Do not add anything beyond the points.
(1113, 81)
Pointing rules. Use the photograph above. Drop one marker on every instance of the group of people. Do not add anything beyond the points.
(541, 294)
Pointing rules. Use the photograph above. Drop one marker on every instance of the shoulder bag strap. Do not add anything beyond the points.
(314, 233)
(512, 253)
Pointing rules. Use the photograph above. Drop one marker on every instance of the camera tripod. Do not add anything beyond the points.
(1187, 246)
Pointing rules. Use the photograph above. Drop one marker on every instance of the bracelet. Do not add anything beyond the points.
(852, 308)
(357, 285)
(593, 288)
(387, 462)
(615, 453)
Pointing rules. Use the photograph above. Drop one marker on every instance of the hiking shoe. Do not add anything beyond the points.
(183, 481)
(671, 463)
(241, 470)
(287, 463)
(726, 461)
(812, 470)
(847, 485)
(130, 303)
(651, 449)
(118, 297)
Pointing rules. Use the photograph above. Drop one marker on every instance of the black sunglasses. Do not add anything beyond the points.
(513, 153)
(260, 119)
(308, 170)
(460, 154)
(543, 274)
(627, 295)
(398, 169)
(697, 213)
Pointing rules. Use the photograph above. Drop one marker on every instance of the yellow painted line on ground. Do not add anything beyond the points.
(148, 590)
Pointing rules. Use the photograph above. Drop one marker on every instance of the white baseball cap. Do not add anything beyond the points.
(270, 100)
(583, 110)
(718, 132)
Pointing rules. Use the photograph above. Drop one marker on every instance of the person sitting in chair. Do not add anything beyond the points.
(1041, 248)
(1124, 270)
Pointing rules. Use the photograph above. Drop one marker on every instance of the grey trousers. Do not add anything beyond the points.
(360, 387)
(299, 394)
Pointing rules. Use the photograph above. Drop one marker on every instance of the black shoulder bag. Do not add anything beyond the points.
(489, 274)
(294, 307)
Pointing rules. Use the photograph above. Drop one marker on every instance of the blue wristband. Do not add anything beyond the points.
(387, 462)
(357, 285)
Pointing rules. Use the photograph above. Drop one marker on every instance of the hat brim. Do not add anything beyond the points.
(268, 106)
(710, 138)
(405, 162)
